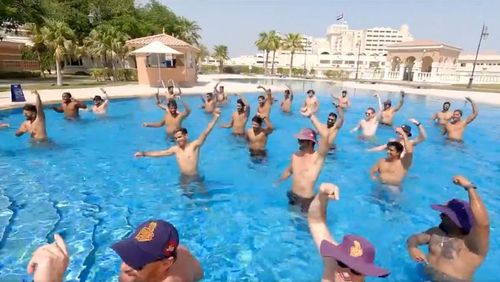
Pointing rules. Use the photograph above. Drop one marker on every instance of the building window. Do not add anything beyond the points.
(324, 61)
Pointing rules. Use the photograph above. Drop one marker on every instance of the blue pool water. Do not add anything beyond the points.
(88, 186)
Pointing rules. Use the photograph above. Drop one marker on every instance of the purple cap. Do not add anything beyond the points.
(153, 240)
(458, 211)
(355, 252)
(307, 134)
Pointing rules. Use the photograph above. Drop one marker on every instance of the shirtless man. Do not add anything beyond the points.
(257, 135)
(443, 116)
(458, 246)
(35, 120)
(286, 104)
(210, 103)
(69, 106)
(456, 126)
(240, 117)
(393, 168)
(343, 100)
(369, 124)
(332, 126)
(311, 102)
(173, 118)
(306, 165)
(388, 112)
(220, 95)
(422, 135)
(152, 253)
(353, 259)
(266, 102)
(187, 154)
(100, 106)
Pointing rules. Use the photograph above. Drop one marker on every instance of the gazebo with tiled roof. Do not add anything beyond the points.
(180, 68)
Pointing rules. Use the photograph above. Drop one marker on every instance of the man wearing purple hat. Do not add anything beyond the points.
(306, 164)
(153, 254)
(353, 259)
(458, 246)
(389, 112)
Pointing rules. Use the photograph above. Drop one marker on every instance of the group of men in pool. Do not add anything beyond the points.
(456, 247)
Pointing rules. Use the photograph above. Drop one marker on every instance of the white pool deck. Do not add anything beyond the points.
(207, 82)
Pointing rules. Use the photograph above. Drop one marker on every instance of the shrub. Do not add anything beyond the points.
(209, 69)
(19, 74)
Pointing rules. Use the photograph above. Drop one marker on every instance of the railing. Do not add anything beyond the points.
(422, 76)
(392, 75)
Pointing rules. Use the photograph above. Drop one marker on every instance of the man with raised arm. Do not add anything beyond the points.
(370, 123)
(186, 153)
(35, 120)
(442, 117)
(219, 93)
(257, 135)
(240, 117)
(311, 102)
(422, 135)
(332, 126)
(389, 112)
(69, 106)
(100, 105)
(173, 118)
(353, 259)
(456, 126)
(392, 169)
(210, 103)
(459, 245)
(266, 102)
(286, 104)
(343, 100)
(306, 165)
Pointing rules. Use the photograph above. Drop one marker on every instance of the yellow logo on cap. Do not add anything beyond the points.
(356, 250)
(146, 233)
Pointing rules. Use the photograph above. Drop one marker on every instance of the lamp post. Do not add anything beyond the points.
(357, 62)
(484, 35)
(305, 56)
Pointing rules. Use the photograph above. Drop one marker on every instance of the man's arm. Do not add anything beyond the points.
(269, 126)
(247, 105)
(22, 129)
(356, 128)
(316, 215)
(40, 114)
(156, 124)
(164, 153)
(422, 135)
(378, 148)
(416, 240)
(80, 104)
(401, 101)
(179, 91)
(286, 173)
(478, 239)
(340, 119)
(380, 107)
(201, 139)
(323, 146)
(58, 109)
(474, 111)
(229, 124)
(318, 125)
(215, 88)
(374, 170)
(187, 109)
(408, 157)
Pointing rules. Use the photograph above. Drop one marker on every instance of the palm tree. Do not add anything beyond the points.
(59, 38)
(187, 30)
(220, 53)
(292, 43)
(263, 44)
(106, 40)
(39, 48)
(201, 55)
(274, 44)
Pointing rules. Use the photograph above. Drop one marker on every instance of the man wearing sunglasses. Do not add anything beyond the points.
(369, 124)
(353, 259)
(459, 245)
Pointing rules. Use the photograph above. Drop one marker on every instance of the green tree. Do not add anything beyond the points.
(263, 44)
(274, 45)
(106, 41)
(58, 37)
(292, 43)
(220, 54)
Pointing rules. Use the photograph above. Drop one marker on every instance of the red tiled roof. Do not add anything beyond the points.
(419, 43)
(166, 39)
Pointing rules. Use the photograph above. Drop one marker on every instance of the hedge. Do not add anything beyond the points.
(103, 74)
(19, 74)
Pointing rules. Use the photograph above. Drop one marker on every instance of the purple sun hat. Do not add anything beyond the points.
(355, 252)
(458, 211)
(307, 134)
(153, 240)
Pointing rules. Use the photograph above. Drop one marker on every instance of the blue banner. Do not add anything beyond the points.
(16, 93)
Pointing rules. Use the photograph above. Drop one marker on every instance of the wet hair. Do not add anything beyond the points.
(447, 103)
(210, 94)
(221, 87)
(67, 94)
(332, 114)
(310, 90)
(344, 91)
(460, 112)
(371, 109)
(170, 87)
(171, 103)
(261, 97)
(29, 108)
(97, 98)
(257, 119)
(398, 146)
(287, 91)
(181, 129)
(239, 101)
(387, 102)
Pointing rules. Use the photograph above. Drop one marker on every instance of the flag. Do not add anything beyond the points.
(339, 17)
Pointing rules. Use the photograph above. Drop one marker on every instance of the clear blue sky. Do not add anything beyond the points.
(237, 23)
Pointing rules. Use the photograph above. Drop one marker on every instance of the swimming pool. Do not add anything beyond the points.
(88, 186)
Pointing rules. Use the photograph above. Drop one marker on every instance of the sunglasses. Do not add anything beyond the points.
(367, 113)
(343, 265)
(331, 120)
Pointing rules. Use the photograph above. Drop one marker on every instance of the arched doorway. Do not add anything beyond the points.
(408, 71)
(426, 64)
(395, 63)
